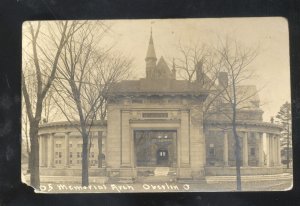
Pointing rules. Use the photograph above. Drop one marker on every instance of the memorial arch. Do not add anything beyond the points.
(157, 122)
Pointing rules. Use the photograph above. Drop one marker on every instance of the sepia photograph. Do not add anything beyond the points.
(156, 105)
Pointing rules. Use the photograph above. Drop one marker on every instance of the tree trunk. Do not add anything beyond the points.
(237, 153)
(85, 160)
(100, 149)
(34, 156)
(238, 161)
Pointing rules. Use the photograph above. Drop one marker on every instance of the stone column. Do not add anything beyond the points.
(225, 150)
(275, 150)
(41, 162)
(279, 150)
(125, 140)
(113, 141)
(184, 143)
(245, 149)
(197, 142)
(268, 149)
(184, 167)
(100, 136)
(67, 149)
(270, 153)
(45, 150)
(51, 150)
(260, 149)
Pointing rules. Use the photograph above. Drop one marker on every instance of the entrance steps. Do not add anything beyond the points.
(160, 174)
(161, 171)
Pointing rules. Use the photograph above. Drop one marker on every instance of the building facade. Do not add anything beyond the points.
(158, 122)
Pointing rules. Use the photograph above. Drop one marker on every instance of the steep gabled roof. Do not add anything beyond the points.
(162, 69)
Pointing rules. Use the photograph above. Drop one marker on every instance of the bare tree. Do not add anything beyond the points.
(201, 63)
(236, 60)
(44, 55)
(86, 73)
(222, 70)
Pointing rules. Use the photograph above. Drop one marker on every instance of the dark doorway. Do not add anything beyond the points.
(162, 157)
(155, 148)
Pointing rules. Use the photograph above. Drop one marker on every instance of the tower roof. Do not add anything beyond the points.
(162, 69)
(151, 51)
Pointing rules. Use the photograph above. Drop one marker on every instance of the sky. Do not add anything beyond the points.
(270, 34)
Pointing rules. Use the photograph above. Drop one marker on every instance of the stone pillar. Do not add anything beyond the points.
(41, 162)
(270, 151)
(279, 150)
(67, 153)
(225, 150)
(100, 136)
(42, 151)
(184, 144)
(113, 141)
(197, 142)
(125, 140)
(245, 149)
(260, 149)
(275, 150)
(51, 150)
(183, 156)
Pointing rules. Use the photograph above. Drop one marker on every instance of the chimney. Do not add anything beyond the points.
(223, 79)
(199, 71)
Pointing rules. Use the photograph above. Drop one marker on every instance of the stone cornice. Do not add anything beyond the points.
(271, 127)
(66, 126)
(161, 94)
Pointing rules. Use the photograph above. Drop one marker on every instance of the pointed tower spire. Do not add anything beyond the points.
(150, 58)
(151, 51)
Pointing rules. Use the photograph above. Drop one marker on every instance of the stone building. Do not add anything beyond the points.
(157, 122)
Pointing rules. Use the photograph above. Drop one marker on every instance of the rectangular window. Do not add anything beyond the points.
(155, 115)
(252, 151)
(70, 145)
(78, 154)
(71, 155)
(59, 155)
(70, 161)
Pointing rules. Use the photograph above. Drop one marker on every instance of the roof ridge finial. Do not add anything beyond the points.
(151, 38)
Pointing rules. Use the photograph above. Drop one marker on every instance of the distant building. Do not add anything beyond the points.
(157, 121)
